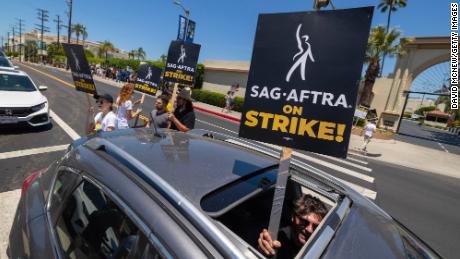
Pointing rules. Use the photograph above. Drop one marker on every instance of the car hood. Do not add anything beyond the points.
(368, 232)
(20, 99)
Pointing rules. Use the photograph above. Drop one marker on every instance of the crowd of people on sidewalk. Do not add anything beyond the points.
(117, 74)
(117, 115)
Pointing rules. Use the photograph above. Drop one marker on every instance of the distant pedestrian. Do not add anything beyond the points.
(127, 75)
(119, 75)
(105, 120)
(368, 130)
(183, 118)
(229, 100)
(159, 116)
(125, 107)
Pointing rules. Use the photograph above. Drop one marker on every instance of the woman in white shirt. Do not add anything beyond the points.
(125, 107)
(105, 120)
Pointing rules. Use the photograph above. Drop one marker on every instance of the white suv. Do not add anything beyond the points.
(21, 100)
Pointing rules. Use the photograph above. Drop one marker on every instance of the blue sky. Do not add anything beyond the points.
(225, 28)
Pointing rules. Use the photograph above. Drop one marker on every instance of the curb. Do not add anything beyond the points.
(225, 116)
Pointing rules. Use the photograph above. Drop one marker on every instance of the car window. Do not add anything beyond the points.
(16, 83)
(92, 226)
(4, 62)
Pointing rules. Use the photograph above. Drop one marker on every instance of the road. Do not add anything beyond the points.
(426, 203)
(413, 133)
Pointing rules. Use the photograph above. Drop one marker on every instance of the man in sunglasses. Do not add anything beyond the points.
(308, 212)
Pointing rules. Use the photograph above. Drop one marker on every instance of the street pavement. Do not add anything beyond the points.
(429, 204)
(425, 136)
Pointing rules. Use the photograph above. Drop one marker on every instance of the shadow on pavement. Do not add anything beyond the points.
(444, 138)
(23, 128)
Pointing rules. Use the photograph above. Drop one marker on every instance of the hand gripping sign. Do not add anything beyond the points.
(181, 63)
(302, 85)
(81, 74)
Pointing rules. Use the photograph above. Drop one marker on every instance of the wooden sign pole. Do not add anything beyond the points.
(141, 106)
(280, 191)
(174, 96)
(90, 114)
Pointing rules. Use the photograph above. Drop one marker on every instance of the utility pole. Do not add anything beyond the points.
(58, 22)
(8, 42)
(1, 47)
(14, 35)
(69, 25)
(21, 26)
(42, 17)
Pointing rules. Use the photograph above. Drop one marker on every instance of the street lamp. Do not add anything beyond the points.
(187, 13)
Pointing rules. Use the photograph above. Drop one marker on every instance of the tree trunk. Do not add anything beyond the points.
(388, 30)
(371, 75)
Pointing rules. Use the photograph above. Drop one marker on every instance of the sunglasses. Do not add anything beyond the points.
(303, 223)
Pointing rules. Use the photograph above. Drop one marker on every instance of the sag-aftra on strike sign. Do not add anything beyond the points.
(304, 78)
(81, 74)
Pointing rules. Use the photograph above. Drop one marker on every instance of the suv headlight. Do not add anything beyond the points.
(38, 107)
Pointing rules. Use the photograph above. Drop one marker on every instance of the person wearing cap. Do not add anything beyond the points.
(183, 118)
(105, 120)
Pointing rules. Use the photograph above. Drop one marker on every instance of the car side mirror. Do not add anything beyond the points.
(16, 67)
(43, 88)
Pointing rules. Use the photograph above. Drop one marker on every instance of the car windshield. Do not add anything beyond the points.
(16, 83)
(4, 62)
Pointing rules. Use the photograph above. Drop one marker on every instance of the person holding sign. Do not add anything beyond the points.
(105, 120)
(307, 214)
(125, 106)
(183, 118)
(159, 116)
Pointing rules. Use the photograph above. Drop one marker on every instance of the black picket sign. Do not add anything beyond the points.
(148, 78)
(81, 74)
(181, 63)
(304, 77)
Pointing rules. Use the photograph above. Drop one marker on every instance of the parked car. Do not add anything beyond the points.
(5, 64)
(21, 101)
(147, 194)
(2, 54)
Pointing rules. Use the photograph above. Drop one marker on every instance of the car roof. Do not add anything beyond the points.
(8, 71)
(193, 164)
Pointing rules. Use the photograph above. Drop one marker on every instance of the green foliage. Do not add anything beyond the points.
(199, 76)
(216, 99)
(422, 110)
(89, 54)
(407, 114)
(54, 49)
(12, 53)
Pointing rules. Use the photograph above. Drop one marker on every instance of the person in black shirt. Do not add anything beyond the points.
(183, 118)
(308, 212)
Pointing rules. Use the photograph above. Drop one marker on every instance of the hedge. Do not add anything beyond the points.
(216, 99)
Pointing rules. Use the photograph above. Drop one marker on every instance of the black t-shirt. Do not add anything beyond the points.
(288, 248)
(186, 117)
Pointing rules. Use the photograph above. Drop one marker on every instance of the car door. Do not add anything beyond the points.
(87, 223)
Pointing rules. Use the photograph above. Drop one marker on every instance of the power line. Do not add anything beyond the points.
(42, 16)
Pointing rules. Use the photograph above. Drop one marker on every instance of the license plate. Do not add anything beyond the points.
(8, 120)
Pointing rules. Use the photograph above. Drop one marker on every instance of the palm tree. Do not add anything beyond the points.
(140, 53)
(78, 29)
(30, 49)
(132, 54)
(391, 6)
(380, 43)
(105, 48)
(84, 35)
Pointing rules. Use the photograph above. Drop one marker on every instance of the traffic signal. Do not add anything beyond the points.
(317, 4)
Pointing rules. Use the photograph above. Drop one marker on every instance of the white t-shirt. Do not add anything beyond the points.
(103, 122)
(369, 129)
(121, 114)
